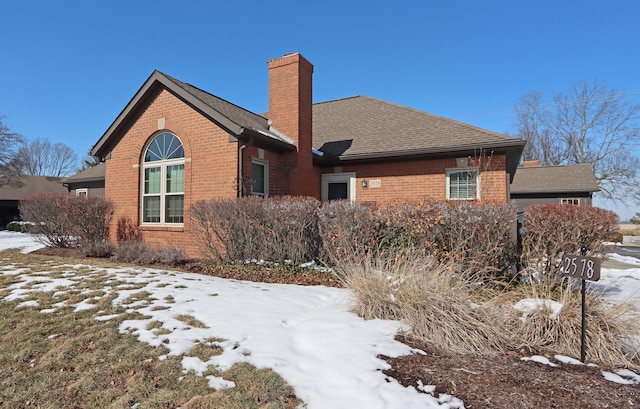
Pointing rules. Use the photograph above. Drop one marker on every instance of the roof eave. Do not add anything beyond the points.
(264, 140)
(539, 191)
(515, 147)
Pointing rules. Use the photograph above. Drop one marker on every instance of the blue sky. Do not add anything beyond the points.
(69, 67)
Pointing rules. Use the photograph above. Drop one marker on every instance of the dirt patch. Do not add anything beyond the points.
(509, 382)
(60, 252)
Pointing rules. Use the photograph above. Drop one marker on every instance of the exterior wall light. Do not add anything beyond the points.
(365, 183)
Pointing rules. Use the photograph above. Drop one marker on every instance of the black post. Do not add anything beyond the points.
(583, 334)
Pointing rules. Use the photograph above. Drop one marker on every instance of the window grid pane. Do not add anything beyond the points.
(151, 209)
(152, 180)
(174, 212)
(463, 185)
(175, 179)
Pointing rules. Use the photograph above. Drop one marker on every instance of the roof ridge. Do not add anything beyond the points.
(553, 166)
(340, 99)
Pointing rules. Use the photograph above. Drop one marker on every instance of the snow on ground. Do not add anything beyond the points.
(306, 334)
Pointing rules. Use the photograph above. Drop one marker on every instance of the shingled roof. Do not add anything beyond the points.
(361, 126)
(365, 128)
(25, 186)
(91, 174)
(555, 179)
(234, 119)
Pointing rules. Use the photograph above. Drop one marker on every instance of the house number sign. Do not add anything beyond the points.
(581, 267)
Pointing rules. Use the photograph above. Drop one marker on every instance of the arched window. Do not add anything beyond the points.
(163, 181)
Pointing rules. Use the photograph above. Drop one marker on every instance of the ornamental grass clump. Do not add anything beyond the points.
(555, 323)
(437, 303)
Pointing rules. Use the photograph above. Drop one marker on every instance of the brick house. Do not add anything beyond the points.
(175, 144)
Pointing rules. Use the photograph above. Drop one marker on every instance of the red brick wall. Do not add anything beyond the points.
(205, 145)
(423, 179)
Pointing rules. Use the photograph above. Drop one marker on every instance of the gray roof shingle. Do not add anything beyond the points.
(93, 173)
(363, 126)
(26, 186)
(555, 179)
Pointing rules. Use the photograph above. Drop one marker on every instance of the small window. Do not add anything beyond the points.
(163, 181)
(570, 201)
(82, 192)
(260, 178)
(463, 184)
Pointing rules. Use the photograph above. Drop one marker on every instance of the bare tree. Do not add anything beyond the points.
(41, 158)
(592, 124)
(89, 162)
(9, 141)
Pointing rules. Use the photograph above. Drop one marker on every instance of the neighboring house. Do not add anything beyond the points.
(567, 184)
(88, 182)
(20, 188)
(175, 144)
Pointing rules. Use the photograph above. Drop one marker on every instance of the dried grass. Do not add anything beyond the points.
(612, 331)
(456, 315)
(437, 304)
(70, 360)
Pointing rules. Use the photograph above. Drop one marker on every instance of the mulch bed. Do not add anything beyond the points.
(506, 381)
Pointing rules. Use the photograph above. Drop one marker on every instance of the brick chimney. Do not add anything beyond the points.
(531, 164)
(290, 106)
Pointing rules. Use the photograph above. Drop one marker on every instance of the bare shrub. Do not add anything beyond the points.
(127, 231)
(350, 232)
(100, 249)
(290, 230)
(431, 297)
(138, 253)
(479, 236)
(226, 229)
(53, 223)
(415, 225)
(253, 228)
(92, 219)
(551, 230)
(64, 220)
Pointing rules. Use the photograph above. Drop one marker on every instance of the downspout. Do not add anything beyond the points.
(241, 189)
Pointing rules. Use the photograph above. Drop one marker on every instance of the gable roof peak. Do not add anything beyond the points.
(230, 117)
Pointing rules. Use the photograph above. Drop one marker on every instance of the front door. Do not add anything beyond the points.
(339, 186)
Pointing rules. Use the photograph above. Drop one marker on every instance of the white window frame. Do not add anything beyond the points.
(264, 164)
(82, 192)
(163, 165)
(449, 172)
(344, 177)
(570, 201)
